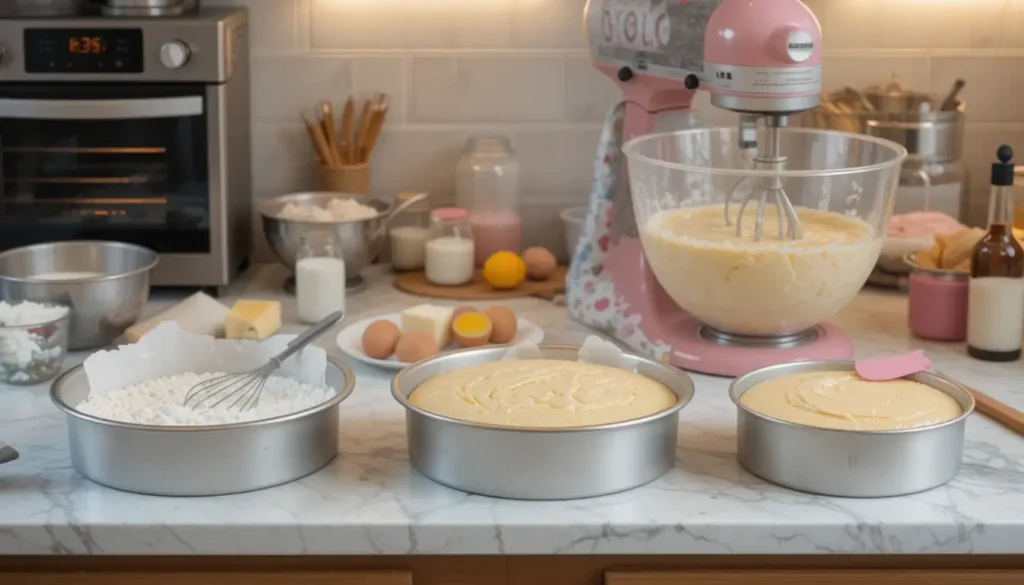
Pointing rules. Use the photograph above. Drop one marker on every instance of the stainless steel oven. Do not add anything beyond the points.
(135, 130)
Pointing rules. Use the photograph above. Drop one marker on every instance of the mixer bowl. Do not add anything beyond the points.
(842, 186)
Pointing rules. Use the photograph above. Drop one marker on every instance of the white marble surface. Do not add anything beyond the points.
(369, 501)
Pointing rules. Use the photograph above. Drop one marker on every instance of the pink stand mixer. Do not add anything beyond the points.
(759, 58)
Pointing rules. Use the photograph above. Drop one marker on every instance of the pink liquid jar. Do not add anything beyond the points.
(494, 231)
(487, 185)
(937, 308)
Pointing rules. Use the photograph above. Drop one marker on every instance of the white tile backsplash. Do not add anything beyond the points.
(454, 68)
(461, 88)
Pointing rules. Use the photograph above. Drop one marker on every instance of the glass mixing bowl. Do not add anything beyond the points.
(841, 185)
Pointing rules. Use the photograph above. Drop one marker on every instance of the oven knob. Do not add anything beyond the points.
(175, 54)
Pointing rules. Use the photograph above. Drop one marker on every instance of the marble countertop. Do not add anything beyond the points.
(369, 500)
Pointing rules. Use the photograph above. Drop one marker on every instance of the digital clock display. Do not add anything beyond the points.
(98, 51)
(93, 45)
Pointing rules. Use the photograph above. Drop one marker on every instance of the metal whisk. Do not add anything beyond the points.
(244, 389)
(769, 157)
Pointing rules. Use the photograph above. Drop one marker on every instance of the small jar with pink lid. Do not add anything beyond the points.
(450, 249)
(937, 306)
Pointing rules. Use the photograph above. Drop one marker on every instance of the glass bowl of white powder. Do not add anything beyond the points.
(33, 342)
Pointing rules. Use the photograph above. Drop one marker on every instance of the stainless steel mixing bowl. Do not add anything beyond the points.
(360, 239)
(540, 463)
(102, 307)
(849, 464)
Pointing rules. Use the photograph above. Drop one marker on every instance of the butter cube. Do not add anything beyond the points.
(435, 321)
(253, 320)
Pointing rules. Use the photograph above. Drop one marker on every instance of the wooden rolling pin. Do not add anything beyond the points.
(1003, 414)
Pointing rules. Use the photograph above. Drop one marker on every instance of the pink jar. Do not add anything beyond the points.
(487, 184)
(938, 304)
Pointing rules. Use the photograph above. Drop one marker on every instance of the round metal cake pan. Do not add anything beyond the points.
(848, 463)
(540, 463)
(201, 460)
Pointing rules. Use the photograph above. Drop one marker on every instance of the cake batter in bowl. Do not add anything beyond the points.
(841, 186)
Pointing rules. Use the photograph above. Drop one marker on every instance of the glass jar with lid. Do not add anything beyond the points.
(319, 276)
(487, 186)
(409, 232)
(449, 252)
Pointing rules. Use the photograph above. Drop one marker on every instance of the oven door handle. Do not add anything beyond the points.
(173, 107)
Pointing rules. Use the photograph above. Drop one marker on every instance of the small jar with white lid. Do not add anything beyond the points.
(449, 252)
(409, 232)
(319, 276)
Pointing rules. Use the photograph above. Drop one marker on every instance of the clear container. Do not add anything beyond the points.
(30, 354)
(928, 185)
(1018, 196)
(842, 186)
(319, 276)
(487, 186)
(450, 250)
(409, 232)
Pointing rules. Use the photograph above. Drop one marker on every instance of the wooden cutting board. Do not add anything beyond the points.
(416, 283)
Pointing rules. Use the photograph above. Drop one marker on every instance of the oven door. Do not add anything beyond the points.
(110, 162)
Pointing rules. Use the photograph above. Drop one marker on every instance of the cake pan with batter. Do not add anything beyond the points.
(563, 456)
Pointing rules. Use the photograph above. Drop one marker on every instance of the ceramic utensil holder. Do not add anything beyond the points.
(344, 179)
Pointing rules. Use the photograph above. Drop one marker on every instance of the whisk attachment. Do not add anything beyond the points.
(242, 391)
(767, 190)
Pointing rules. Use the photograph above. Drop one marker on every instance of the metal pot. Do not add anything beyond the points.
(148, 7)
(930, 127)
(914, 120)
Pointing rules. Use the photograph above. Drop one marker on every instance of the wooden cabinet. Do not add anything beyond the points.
(815, 577)
(214, 578)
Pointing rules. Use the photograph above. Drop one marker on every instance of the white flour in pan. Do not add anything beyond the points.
(160, 402)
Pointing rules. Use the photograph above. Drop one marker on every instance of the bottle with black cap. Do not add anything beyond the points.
(995, 312)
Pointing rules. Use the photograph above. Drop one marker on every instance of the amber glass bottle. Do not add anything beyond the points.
(995, 314)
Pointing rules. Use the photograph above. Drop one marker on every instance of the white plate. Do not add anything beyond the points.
(349, 339)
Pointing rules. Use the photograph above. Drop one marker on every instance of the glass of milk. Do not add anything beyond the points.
(319, 276)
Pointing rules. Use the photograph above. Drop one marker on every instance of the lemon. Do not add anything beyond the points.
(504, 270)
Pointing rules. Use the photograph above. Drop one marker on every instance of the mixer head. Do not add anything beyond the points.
(761, 58)
(754, 56)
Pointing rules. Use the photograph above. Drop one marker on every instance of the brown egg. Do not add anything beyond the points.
(472, 329)
(380, 338)
(460, 310)
(503, 324)
(416, 346)
(540, 263)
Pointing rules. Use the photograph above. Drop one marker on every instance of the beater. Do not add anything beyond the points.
(769, 157)
(245, 388)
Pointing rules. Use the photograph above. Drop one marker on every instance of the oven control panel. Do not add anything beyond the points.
(92, 50)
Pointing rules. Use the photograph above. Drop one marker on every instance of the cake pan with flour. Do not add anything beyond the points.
(540, 463)
(201, 460)
(845, 463)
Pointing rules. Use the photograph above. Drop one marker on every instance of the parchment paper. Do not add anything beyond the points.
(593, 351)
(167, 350)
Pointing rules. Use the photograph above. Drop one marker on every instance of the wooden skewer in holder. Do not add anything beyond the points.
(353, 179)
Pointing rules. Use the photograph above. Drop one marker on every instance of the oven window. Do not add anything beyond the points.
(113, 163)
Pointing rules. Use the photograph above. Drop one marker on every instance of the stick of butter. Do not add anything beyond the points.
(432, 319)
(253, 320)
